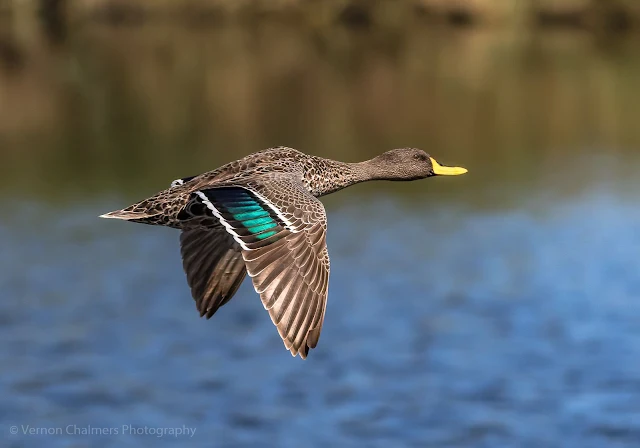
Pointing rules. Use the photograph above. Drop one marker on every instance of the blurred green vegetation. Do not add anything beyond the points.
(125, 107)
(605, 14)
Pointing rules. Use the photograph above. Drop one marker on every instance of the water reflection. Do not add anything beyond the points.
(136, 106)
(464, 312)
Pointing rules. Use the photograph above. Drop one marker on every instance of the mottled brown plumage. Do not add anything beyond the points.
(259, 215)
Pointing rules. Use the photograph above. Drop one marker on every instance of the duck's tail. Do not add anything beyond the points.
(126, 215)
(160, 209)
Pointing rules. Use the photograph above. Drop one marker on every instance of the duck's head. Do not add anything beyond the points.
(410, 164)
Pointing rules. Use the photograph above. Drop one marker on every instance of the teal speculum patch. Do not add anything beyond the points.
(243, 210)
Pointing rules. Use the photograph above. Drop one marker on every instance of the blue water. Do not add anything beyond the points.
(447, 326)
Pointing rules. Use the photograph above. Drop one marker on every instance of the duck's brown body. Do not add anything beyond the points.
(260, 215)
(318, 176)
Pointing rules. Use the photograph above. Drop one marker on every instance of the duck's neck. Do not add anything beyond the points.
(325, 176)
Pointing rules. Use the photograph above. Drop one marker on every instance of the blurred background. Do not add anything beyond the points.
(494, 309)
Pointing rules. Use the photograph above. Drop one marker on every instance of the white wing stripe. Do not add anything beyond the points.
(284, 219)
(217, 214)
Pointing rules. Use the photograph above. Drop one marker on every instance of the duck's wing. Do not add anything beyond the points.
(214, 266)
(281, 230)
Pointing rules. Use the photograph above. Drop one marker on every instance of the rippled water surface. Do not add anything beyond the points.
(495, 309)
(445, 327)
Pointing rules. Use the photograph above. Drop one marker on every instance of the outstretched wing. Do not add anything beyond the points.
(214, 266)
(281, 230)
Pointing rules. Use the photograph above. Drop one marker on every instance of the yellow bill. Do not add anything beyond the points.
(446, 170)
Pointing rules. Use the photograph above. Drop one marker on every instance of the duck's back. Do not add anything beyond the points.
(269, 161)
(164, 207)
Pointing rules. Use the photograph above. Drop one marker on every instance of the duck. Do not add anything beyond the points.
(261, 216)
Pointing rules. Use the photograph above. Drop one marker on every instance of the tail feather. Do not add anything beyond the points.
(147, 210)
(161, 209)
(124, 214)
(157, 219)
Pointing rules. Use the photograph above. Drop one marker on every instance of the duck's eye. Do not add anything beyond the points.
(419, 156)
